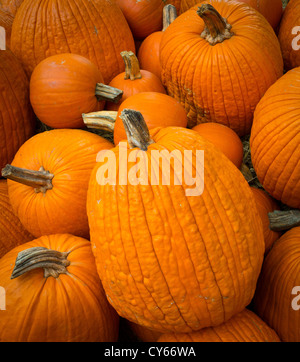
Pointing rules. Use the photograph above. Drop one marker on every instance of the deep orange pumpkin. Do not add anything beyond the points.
(56, 295)
(8, 10)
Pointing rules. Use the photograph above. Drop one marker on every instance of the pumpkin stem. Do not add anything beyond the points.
(41, 180)
(53, 262)
(104, 120)
(217, 28)
(136, 129)
(169, 15)
(284, 220)
(107, 93)
(132, 66)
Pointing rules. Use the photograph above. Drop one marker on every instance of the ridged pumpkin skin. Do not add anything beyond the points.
(95, 29)
(221, 83)
(8, 10)
(62, 87)
(12, 232)
(69, 308)
(275, 139)
(288, 35)
(69, 155)
(172, 262)
(275, 301)
(17, 122)
(243, 327)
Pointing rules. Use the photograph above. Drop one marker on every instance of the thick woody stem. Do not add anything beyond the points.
(53, 262)
(132, 66)
(169, 15)
(284, 220)
(136, 129)
(104, 120)
(217, 28)
(107, 93)
(40, 180)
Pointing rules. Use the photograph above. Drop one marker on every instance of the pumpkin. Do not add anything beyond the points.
(144, 17)
(54, 294)
(218, 69)
(159, 110)
(246, 326)
(64, 86)
(275, 139)
(134, 80)
(173, 256)
(95, 29)
(265, 205)
(288, 35)
(141, 333)
(12, 232)
(17, 121)
(149, 50)
(225, 139)
(48, 181)
(276, 298)
(270, 9)
(8, 10)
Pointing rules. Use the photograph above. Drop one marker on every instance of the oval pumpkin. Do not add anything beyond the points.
(56, 295)
(275, 139)
(171, 258)
(217, 69)
(95, 29)
(58, 164)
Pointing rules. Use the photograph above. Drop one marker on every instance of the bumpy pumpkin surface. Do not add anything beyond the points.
(219, 69)
(276, 298)
(167, 260)
(275, 139)
(56, 295)
(95, 29)
(17, 122)
(243, 327)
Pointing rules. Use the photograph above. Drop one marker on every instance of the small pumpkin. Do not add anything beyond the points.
(134, 80)
(17, 121)
(276, 298)
(64, 86)
(12, 232)
(225, 139)
(246, 326)
(48, 181)
(275, 139)
(53, 293)
(170, 260)
(219, 69)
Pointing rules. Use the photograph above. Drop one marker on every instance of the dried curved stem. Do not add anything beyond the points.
(104, 120)
(284, 220)
(169, 15)
(132, 66)
(107, 93)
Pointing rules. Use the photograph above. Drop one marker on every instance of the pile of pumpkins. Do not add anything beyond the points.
(90, 253)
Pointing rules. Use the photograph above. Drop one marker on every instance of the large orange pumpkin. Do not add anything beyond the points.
(48, 181)
(171, 257)
(17, 121)
(275, 139)
(95, 29)
(218, 69)
(277, 297)
(53, 293)
(12, 232)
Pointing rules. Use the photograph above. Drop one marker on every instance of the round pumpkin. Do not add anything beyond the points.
(275, 139)
(246, 326)
(8, 10)
(134, 80)
(173, 256)
(219, 69)
(12, 232)
(276, 298)
(53, 293)
(64, 86)
(95, 29)
(48, 181)
(288, 35)
(225, 139)
(17, 121)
